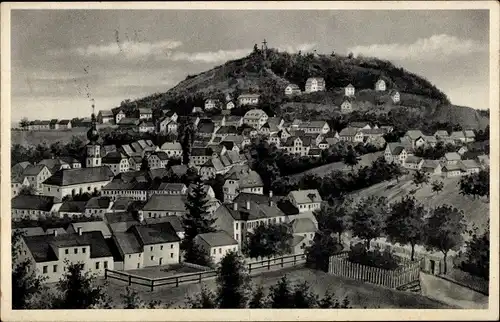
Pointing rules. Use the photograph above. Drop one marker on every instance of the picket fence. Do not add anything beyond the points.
(407, 272)
(204, 274)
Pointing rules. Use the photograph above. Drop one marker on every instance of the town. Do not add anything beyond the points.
(182, 192)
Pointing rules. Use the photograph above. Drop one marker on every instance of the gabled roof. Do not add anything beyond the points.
(150, 234)
(229, 129)
(113, 158)
(469, 134)
(430, 138)
(430, 164)
(395, 148)
(122, 204)
(414, 134)
(305, 196)
(452, 156)
(174, 203)
(175, 221)
(128, 121)
(293, 86)
(256, 211)
(255, 113)
(34, 170)
(105, 113)
(470, 164)
(171, 146)
(359, 125)
(441, 133)
(457, 135)
(246, 178)
(92, 226)
(206, 127)
(248, 96)
(413, 159)
(66, 177)
(98, 203)
(73, 206)
(179, 169)
(127, 243)
(145, 110)
(303, 225)
(32, 202)
(349, 131)
(217, 238)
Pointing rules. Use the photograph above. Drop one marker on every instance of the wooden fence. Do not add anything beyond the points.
(408, 272)
(197, 277)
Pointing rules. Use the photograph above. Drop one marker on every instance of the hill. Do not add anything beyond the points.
(269, 78)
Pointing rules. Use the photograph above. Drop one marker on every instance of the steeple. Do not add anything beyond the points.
(264, 49)
(93, 148)
(93, 134)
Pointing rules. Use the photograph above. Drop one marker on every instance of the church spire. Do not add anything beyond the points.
(92, 133)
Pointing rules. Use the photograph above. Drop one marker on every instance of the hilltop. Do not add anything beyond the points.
(270, 76)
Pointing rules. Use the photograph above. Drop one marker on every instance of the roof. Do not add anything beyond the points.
(128, 121)
(145, 110)
(122, 203)
(165, 203)
(73, 206)
(217, 238)
(287, 207)
(469, 134)
(98, 203)
(92, 226)
(452, 167)
(430, 138)
(303, 225)
(313, 124)
(106, 113)
(31, 231)
(229, 129)
(414, 134)
(470, 164)
(179, 169)
(33, 202)
(160, 154)
(373, 131)
(114, 217)
(206, 127)
(33, 170)
(395, 148)
(158, 173)
(293, 86)
(358, 124)
(171, 146)
(441, 133)
(127, 242)
(452, 156)
(67, 177)
(349, 131)
(430, 164)
(319, 79)
(197, 151)
(296, 240)
(156, 233)
(457, 135)
(305, 196)
(64, 122)
(247, 179)
(315, 151)
(114, 157)
(255, 113)
(413, 159)
(248, 96)
(256, 211)
(350, 85)
(175, 221)
(42, 247)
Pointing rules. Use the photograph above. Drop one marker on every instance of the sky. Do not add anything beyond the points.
(63, 59)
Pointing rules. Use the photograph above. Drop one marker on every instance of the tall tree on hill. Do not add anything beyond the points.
(186, 137)
(420, 177)
(405, 224)
(233, 282)
(477, 255)
(197, 220)
(443, 230)
(269, 240)
(334, 218)
(368, 218)
(437, 186)
(351, 158)
(476, 184)
(24, 123)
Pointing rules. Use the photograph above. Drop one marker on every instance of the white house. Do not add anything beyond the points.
(210, 104)
(248, 99)
(172, 149)
(256, 118)
(380, 85)
(292, 89)
(349, 90)
(395, 97)
(217, 244)
(315, 84)
(305, 200)
(119, 116)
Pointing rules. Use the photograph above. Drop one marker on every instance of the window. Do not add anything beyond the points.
(220, 250)
(84, 250)
(55, 269)
(129, 256)
(45, 268)
(152, 258)
(66, 251)
(236, 225)
(171, 255)
(171, 245)
(139, 255)
(76, 250)
(151, 249)
(105, 264)
(215, 250)
(237, 236)
(96, 265)
(161, 247)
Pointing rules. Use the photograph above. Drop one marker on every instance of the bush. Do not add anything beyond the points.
(375, 258)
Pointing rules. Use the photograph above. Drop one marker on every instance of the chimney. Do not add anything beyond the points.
(55, 232)
(235, 206)
(79, 229)
(248, 204)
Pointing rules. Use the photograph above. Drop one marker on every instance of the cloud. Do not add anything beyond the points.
(208, 56)
(436, 47)
(125, 49)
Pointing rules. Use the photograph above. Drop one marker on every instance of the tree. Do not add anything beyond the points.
(405, 224)
(303, 297)
(420, 177)
(233, 282)
(79, 289)
(269, 240)
(443, 230)
(24, 123)
(437, 186)
(476, 184)
(132, 300)
(334, 219)
(351, 158)
(258, 299)
(323, 247)
(26, 284)
(477, 255)
(197, 255)
(145, 164)
(280, 294)
(204, 300)
(28, 190)
(186, 137)
(368, 218)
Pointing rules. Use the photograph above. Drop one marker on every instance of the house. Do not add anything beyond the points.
(172, 149)
(168, 125)
(413, 162)
(88, 226)
(429, 140)
(49, 253)
(350, 134)
(73, 163)
(17, 182)
(179, 170)
(248, 99)
(315, 84)
(72, 209)
(97, 206)
(55, 164)
(303, 230)
(441, 135)
(360, 125)
(470, 136)
(105, 116)
(210, 104)
(453, 170)
(470, 166)
(145, 113)
(31, 207)
(297, 145)
(206, 129)
(432, 167)
(223, 131)
(395, 152)
(241, 179)
(146, 127)
(458, 137)
(64, 125)
(462, 150)
(314, 127)
(375, 140)
(372, 133)
(38, 125)
(255, 118)
(147, 245)
(415, 137)
(349, 90)
(292, 89)
(157, 160)
(164, 205)
(395, 97)
(346, 106)
(77, 181)
(305, 200)
(380, 85)
(238, 221)
(387, 128)
(484, 160)
(36, 175)
(135, 163)
(18, 168)
(128, 123)
(167, 188)
(117, 162)
(54, 124)
(119, 116)
(197, 110)
(199, 156)
(134, 188)
(217, 244)
(451, 158)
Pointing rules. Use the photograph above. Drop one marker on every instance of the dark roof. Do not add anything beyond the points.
(122, 203)
(287, 207)
(66, 177)
(156, 233)
(42, 247)
(256, 211)
(217, 238)
(119, 217)
(206, 127)
(73, 206)
(127, 242)
(229, 129)
(179, 169)
(173, 220)
(33, 170)
(32, 202)
(200, 152)
(113, 157)
(98, 202)
(165, 203)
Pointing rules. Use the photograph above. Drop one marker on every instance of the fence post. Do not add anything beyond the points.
(152, 285)
(294, 260)
(200, 278)
(105, 273)
(129, 280)
(249, 268)
(268, 263)
(176, 281)
(281, 262)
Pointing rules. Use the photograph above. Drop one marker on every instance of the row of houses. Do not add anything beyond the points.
(38, 125)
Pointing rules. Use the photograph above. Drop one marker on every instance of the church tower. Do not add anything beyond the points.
(93, 148)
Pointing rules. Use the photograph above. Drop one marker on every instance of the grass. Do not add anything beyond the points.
(27, 138)
(360, 294)
(163, 271)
